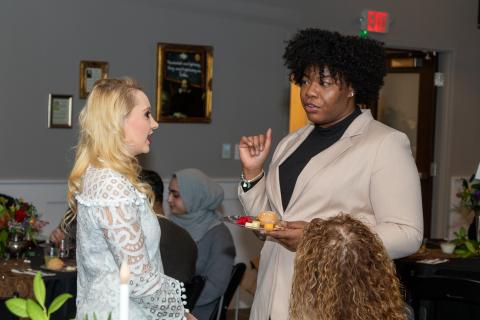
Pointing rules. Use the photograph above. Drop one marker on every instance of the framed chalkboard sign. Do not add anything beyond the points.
(184, 83)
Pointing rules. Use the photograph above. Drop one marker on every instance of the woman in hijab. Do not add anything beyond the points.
(193, 199)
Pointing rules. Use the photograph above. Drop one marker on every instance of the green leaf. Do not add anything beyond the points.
(35, 311)
(86, 317)
(470, 246)
(39, 289)
(462, 232)
(58, 302)
(109, 316)
(17, 306)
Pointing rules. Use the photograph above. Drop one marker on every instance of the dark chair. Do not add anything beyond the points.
(431, 296)
(220, 311)
(193, 289)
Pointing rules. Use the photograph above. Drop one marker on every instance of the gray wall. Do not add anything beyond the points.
(42, 43)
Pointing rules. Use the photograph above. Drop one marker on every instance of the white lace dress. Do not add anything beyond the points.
(116, 223)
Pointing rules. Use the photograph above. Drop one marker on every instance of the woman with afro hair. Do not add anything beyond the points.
(344, 161)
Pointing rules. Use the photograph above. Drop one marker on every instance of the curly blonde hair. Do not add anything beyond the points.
(102, 138)
(342, 271)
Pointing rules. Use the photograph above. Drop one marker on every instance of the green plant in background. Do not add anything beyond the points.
(36, 310)
(465, 247)
(469, 195)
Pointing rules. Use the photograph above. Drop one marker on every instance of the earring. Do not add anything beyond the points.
(351, 94)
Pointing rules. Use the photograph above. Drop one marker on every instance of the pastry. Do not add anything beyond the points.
(55, 264)
(268, 217)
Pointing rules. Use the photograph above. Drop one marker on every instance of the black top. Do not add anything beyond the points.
(317, 141)
(178, 251)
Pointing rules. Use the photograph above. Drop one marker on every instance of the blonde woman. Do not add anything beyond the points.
(342, 271)
(115, 222)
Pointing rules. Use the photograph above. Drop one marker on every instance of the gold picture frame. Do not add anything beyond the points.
(184, 83)
(91, 72)
(60, 111)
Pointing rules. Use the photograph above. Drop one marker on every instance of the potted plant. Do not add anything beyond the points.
(469, 196)
(36, 309)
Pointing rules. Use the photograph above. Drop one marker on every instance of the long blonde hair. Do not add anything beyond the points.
(342, 271)
(102, 139)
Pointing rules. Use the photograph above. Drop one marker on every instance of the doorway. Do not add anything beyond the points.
(407, 103)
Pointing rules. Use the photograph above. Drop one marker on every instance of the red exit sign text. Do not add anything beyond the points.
(375, 21)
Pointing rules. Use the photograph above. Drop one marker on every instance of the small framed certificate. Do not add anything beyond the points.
(91, 72)
(60, 111)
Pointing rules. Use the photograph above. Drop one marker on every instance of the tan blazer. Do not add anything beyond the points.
(369, 173)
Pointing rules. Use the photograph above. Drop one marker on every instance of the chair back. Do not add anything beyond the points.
(439, 288)
(193, 289)
(220, 311)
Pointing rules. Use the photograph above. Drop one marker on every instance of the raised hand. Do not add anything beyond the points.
(254, 151)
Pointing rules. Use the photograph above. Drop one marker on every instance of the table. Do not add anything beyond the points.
(12, 284)
(408, 268)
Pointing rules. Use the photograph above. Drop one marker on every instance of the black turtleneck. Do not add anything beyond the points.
(317, 141)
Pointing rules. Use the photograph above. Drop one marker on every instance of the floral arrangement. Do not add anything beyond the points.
(17, 215)
(469, 195)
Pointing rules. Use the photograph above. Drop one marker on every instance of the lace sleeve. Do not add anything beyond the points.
(124, 236)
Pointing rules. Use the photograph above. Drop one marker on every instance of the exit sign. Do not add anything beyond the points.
(375, 21)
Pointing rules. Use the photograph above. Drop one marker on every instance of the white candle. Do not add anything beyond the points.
(124, 276)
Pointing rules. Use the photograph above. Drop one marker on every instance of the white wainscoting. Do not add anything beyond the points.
(49, 196)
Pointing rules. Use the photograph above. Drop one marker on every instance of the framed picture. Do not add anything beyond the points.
(91, 72)
(60, 111)
(184, 83)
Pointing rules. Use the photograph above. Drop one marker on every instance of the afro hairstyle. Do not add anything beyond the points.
(357, 62)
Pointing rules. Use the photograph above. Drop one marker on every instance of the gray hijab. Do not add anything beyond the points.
(201, 196)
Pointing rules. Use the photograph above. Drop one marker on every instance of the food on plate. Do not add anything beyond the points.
(255, 224)
(268, 226)
(267, 217)
(55, 264)
(243, 220)
(70, 268)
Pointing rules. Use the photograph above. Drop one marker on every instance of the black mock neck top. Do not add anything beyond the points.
(317, 141)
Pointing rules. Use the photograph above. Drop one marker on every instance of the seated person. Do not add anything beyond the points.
(177, 248)
(342, 271)
(193, 199)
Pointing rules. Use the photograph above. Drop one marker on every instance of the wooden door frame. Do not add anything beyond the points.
(425, 133)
